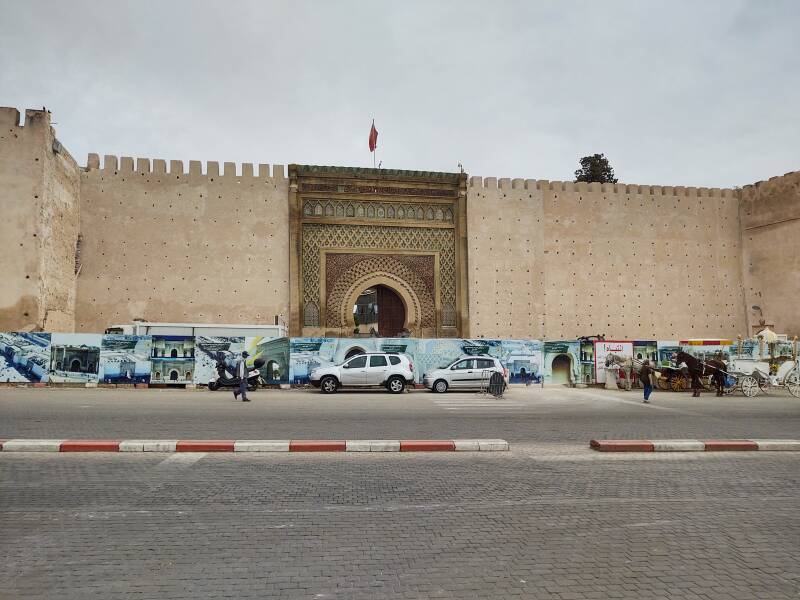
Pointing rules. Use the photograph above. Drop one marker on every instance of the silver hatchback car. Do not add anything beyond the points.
(467, 372)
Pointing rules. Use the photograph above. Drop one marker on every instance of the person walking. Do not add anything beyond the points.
(241, 373)
(645, 376)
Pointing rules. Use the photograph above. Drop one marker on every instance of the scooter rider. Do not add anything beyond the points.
(241, 373)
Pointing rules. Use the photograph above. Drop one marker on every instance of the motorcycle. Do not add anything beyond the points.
(225, 380)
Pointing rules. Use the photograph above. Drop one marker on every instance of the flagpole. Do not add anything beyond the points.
(374, 152)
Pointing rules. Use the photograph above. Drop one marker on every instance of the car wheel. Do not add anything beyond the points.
(440, 387)
(396, 385)
(328, 385)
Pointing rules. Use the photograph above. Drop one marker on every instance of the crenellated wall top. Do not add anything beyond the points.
(10, 117)
(197, 169)
(611, 188)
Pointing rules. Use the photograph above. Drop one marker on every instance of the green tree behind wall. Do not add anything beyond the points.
(595, 168)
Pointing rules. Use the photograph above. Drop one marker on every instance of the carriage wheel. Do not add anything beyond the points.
(663, 383)
(750, 386)
(679, 383)
(793, 383)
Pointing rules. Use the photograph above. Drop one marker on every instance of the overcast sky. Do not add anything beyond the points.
(674, 93)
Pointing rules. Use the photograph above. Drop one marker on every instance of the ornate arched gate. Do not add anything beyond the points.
(358, 228)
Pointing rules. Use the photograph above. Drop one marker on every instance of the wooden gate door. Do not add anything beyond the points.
(391, 312)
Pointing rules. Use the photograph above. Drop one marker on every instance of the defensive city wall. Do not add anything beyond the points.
(123, 238)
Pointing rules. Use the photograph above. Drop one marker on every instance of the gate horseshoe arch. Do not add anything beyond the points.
(409, 298)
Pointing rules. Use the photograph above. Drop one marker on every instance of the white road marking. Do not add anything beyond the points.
(478, 408)
(651, 405)
(181, 459)
(477, 404)
(482, 404)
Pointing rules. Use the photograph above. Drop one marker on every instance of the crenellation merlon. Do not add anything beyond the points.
(9, 117)
(112, 165)
(126, 164)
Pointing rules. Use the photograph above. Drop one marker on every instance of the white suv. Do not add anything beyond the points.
(467, 372)
(392, 371)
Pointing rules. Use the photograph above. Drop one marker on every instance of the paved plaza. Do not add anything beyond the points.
(549, 519)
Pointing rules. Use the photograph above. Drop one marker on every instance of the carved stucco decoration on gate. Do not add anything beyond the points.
(316, 237)
(377, 210)
(348, 275)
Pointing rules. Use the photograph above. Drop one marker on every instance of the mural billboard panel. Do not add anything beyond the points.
(172, 359)
(667, 352)
(209, 350)
(708, 349)
(125, 359)
(275, 354)
(24, 357)
(561, 362)
(75, 357)
(524, 359)
(603, 349)
(305, 355)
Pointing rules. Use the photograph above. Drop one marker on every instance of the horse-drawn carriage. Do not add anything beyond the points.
(753, 376)
(749, 375)
(671, 378)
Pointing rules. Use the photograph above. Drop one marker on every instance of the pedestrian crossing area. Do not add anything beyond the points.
(478, 404)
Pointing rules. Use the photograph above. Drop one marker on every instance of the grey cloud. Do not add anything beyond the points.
(675, 93)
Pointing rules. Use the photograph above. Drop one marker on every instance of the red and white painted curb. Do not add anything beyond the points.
(693, 445)
(476, 445)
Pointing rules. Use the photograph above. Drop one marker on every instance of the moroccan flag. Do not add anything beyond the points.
(373, 137)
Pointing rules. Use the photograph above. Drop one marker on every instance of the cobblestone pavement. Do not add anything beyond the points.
(549, 519)
(553, 414)
(532, 523)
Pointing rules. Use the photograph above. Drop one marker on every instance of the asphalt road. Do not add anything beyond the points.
(549, 519)
(549, 415)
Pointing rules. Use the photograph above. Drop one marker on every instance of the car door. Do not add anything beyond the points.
(354, 371)
(377, 369)
(461, 373)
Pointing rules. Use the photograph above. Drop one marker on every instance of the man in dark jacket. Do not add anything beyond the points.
(241, 373)
(645, 376)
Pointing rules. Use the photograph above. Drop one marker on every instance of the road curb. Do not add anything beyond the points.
(689, 445)
(62, 445)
